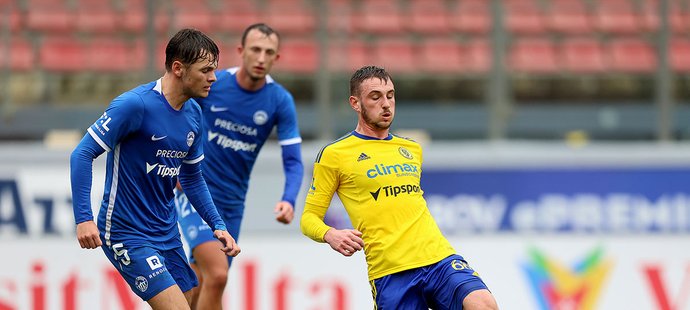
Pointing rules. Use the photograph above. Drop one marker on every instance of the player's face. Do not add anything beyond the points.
(377, 103)
(259, 53)
(198, 77)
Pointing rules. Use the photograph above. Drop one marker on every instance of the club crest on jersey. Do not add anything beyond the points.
(405, 153)
(141, 283)
(260, 117)
(190, 138)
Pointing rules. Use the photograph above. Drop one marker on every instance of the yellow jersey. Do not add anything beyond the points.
(378, 182)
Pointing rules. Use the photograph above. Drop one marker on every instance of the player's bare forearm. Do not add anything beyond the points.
(344, 241)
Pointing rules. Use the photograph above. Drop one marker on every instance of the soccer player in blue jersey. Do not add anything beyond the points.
(242, 109)
(377, 175)
(152, 134)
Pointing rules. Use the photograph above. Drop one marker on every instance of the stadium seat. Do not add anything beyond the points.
(380, 17)
(476, 57)
(235, 16)
(628, 55)
(679, 19)
(113, 55)
(64, 54)
(198, 17)
(349, 56)
(396, 55)
(442, 55)
(569, 17)
(427, 17)
(341, 16)
(290, 17)
(97, 16)
(19, 55)
(680, 55)
(298, 56)
(471, 16)
(582, 55)
(51, 17)
(11, 18)
(617, 16)
(524, 17)
(133, 17)
(533, 56)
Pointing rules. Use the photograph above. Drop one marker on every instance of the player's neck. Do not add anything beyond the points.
(247, 82)
(172, 92)
(372, 132)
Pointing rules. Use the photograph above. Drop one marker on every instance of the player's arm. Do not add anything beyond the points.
(294, 172)
(197, 192)
(81, 169)
(290, 143)
(123, 116)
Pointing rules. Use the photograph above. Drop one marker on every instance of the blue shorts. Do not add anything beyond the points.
(196, 231)
(443, 285)
(149, 271)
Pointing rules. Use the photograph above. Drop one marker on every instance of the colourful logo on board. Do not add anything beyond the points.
(557, 286)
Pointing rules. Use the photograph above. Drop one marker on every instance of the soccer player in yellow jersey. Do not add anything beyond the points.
(411, 265)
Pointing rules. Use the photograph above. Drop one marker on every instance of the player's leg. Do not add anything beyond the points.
(182, 273)
(400, 290)
(213, 265)
(149, 273)
(170, 298)
(453, 284)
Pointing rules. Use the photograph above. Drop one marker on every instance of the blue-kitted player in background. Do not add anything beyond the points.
(242, 109)
(152, 134)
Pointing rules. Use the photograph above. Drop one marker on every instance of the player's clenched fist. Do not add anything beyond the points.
(88, 235)
(230, 246)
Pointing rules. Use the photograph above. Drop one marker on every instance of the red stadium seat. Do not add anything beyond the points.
(10, 18)
(569, 16)
(617, 16)
(680, 55)
(133, 17)
(472, 16)
(533, 56)
(341, 16)
(380, 17)
(441, 56)
(348, 56)
(679, 19)
(582, 55)
(50, 19)
(96, 16)
(632, 56)
(112, 55)
(63, 55)
(290, 17)
(198, 17)
(19, 55)
(524, 16)
(235, 16)
(476, 57)
(396, 55)
(428, 17)
(298, 56)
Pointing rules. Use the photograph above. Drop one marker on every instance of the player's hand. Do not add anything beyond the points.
(344, 241)
(284, 212)
(230, 247)
(88, 235)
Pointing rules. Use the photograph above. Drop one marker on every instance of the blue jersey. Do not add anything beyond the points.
(147, 142)
(237, 123)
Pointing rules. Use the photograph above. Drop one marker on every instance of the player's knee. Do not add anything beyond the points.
(216, 279)
(479, 300)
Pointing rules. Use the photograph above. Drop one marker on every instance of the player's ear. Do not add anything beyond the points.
(177, 68)
(354, 103)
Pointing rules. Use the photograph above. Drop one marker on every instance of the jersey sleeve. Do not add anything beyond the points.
(196, 150)
(287, 127)
(122, 117)
(324, 183)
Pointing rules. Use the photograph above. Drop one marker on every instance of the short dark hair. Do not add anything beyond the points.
(188, 46)
(364, 73)
(263, 28)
